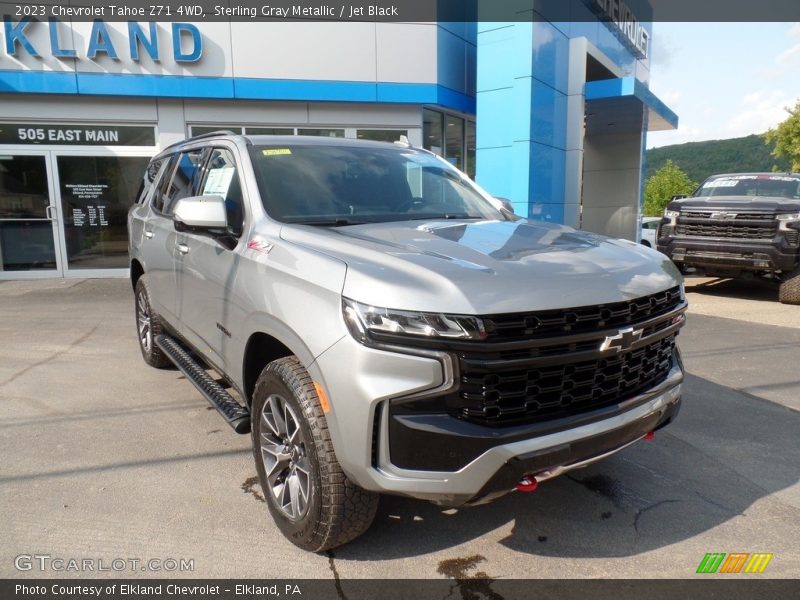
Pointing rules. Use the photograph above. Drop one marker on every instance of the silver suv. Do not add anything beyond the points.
(381, 325)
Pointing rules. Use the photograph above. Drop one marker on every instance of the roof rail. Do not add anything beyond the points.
(201, 136)
(212, 134)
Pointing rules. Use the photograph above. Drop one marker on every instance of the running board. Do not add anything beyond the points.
(234, 413)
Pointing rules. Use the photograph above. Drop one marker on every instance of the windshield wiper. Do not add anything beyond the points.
(340, 222)
(434, 217)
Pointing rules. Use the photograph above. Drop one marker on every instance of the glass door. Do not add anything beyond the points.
(28, 228)
(95, 192)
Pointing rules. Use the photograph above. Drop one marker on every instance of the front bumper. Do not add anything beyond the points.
(730, 254)
(361, 426)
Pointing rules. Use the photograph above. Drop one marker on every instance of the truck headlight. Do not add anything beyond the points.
(363, 319)
(788, 220)
(672, 214)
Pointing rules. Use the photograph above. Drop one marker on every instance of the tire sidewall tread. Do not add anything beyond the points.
(339, 510)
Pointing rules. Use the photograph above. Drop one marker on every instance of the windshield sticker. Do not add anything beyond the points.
(275, 151)
(720, 183)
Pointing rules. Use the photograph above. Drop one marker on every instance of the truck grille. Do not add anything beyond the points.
(521, 326)
(749, 226)
(571, 387)
(536, 367)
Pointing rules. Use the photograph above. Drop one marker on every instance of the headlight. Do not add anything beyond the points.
(787, 220)
(672, 214)
(363, 319)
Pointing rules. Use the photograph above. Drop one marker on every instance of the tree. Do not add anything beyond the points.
(661, 186)
(786, 137)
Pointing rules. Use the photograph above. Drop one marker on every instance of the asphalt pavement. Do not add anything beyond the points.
(105, 458)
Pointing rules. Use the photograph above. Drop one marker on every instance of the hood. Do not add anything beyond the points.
(485, 267)
(745, 203)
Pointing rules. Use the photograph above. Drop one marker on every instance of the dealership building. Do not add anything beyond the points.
(549, 115)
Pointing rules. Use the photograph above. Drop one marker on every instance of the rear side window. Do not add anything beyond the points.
(183, 182)
(149, 178)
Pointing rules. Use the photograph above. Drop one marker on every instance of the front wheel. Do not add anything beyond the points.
(789, 291)
(310, 498)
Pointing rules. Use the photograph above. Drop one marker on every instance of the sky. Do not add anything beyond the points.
(724, 80)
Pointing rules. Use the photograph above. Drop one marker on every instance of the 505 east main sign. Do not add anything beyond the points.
(142, 39)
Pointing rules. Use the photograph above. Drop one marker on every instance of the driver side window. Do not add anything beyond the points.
(222, 179)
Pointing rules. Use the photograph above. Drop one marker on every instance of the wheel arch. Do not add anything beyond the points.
(260, 350)
(137, 270)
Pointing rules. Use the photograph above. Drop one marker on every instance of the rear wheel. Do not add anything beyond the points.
(312, 501)
(789, 291)
(148, 326)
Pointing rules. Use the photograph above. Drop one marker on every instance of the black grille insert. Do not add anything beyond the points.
(524, 326)
(540, 393)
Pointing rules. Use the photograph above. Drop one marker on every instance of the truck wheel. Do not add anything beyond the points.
(789, 291)
(148, 326)
(312, 501)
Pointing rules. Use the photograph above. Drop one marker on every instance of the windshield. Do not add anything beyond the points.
(345, 185)
(776, 186)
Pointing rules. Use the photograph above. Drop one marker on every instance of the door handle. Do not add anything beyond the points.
(183, 248)
(48, 212)
(148, 234)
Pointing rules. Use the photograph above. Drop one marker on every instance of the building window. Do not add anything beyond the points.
(269, 130)
(451, 137)
(470, 144)
(432, 131)
(322, 132)
(381, 135)
(204, 129)
(454, 141)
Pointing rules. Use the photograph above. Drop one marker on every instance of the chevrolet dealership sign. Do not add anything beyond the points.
(142, 39)
(631, 30)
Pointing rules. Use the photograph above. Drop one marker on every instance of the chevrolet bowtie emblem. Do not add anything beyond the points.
(622, 341)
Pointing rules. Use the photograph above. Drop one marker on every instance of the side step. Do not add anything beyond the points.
(234, 413)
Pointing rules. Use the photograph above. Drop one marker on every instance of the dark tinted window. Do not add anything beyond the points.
(149, 177)
(222, 179)
(184, 179)
(363, 183)
(158, 196)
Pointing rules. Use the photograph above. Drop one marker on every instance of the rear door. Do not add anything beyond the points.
(153, 233)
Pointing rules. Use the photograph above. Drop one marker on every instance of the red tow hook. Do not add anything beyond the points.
(650, 435)
(527, 484)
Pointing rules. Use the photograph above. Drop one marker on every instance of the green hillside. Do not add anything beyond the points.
(701, 159)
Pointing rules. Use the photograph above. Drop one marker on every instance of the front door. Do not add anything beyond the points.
(29, 232)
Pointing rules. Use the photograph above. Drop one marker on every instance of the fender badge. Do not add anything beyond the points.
(259, 245)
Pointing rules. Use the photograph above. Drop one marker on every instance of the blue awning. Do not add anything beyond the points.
(620, 103)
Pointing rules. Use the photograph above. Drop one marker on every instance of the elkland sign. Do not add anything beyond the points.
(142, 39)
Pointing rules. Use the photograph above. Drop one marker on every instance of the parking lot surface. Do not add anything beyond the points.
(104, 458)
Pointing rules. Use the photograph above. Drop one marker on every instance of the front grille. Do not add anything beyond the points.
(792, 238)
(522, 326)
(725, 230)
(745, 225)
(541, 393)
(742, 216)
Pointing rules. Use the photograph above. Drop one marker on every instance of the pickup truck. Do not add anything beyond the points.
(739, 225)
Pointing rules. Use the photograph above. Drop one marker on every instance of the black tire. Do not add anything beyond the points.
(336, 511)
(789, 291)
(145, 316)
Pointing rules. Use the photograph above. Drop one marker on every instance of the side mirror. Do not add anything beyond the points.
(679, 196)
(506, 204)
(200, 213)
